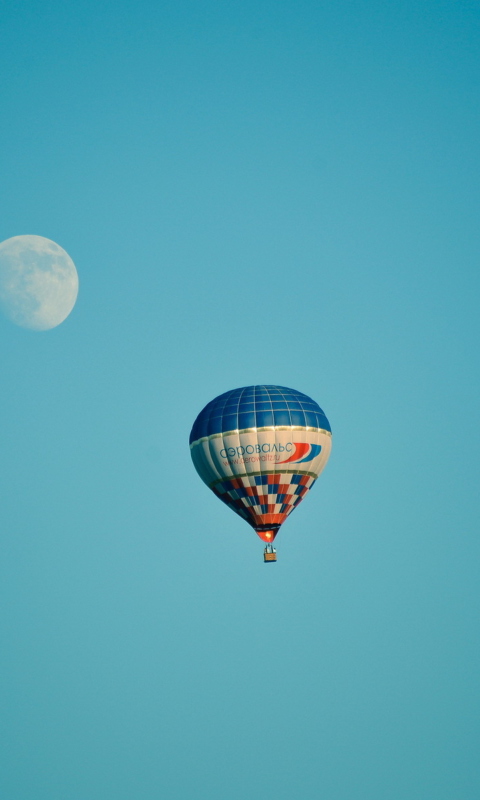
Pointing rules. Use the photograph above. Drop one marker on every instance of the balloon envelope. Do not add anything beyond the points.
(260, 449)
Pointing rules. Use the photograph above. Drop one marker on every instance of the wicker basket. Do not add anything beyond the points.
(269, 557)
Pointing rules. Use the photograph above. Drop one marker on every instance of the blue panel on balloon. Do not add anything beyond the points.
(264, 418)
(246, 420)
(297, 417)
(282, 417)
(229, 422)
(252, 406)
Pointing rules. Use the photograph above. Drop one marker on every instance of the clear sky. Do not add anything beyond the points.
(252, 192)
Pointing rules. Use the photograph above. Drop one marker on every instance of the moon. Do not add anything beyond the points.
(38, 282)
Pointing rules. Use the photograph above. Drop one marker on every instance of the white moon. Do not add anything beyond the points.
(38, 282)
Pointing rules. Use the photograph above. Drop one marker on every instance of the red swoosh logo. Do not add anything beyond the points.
(301, 450)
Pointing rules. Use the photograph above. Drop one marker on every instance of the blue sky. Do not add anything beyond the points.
(252, 193)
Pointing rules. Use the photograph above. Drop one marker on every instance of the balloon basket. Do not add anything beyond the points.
(269, 554)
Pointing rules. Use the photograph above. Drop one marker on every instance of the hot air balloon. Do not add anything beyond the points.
(260, 449)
